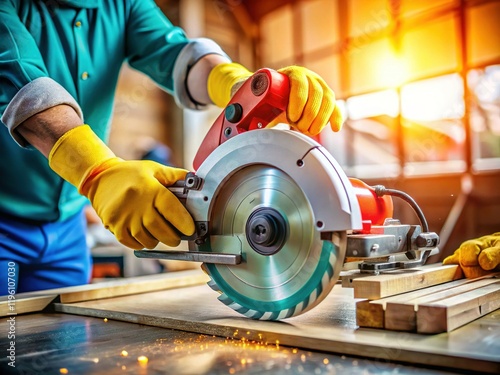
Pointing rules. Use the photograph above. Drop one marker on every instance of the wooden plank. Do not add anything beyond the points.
(449, 313)
(134, 285)
(329, 327)
(401, 313)
(25, 303)
(389, 284)
(371, 314)
(37, 301)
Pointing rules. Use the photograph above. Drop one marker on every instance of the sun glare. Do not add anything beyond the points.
(433, 99)
(374, 104)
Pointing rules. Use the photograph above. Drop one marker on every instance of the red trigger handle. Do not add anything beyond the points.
(257, 102)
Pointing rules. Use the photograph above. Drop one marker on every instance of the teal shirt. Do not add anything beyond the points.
(82, 46)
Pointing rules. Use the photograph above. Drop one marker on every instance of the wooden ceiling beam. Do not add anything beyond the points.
(242, 16)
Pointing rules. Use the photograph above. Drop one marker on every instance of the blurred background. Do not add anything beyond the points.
(418, 82)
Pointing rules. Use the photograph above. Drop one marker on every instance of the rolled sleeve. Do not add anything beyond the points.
(189, 55)
(25, 87)
(163, 51)
(35, 97)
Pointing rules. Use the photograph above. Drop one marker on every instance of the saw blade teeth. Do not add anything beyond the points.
(332, 259)
(319, 289)
(325, 280)
(212, 284)
(299, 307)
(330, 271)
(314, 295)
(242, 310)
(237, 307)
(233, 305)
(266, 315)
(254, 314)
(291, 312)
(204, 268)
(249, 314)
(224, 299)
(283, 314)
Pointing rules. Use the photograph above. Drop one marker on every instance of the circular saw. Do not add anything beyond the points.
(275, 198)
(274, 212)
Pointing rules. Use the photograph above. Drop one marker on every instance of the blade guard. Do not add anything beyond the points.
(311, 166)
(259, 101)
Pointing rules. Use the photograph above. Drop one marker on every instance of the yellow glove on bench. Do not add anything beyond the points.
(311, 103)
(130, 197)
(477, 257)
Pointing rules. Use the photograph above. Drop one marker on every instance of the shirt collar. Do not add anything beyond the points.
(80, 3)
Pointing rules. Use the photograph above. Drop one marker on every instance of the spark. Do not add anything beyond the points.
(142, 359)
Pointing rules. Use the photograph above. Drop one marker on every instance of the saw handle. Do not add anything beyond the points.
(258, 101)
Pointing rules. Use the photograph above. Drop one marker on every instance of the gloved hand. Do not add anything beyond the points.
(130, 197)
(477, 257)
(311, 104)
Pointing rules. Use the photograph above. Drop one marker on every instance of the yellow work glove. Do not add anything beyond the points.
(477, 257)
(311, 103)
(130, 197)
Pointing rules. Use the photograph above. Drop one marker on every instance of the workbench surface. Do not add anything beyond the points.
(51, 343)
(185, 330)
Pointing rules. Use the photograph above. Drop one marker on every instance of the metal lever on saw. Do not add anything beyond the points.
(256, 103)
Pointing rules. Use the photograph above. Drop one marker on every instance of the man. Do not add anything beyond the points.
(59, 65)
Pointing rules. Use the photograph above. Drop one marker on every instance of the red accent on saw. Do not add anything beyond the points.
(374, 209)
(259, 101)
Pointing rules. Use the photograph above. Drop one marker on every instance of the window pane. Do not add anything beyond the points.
(431, 48)
(484, 85)
(371, 105)
(483, 37)
(433, 131)
(433, 99)
(319, 28)
(370, 133)
(367, 17)
(277, 36)
(374, 66)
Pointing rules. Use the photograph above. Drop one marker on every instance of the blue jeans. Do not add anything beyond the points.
(38, 256)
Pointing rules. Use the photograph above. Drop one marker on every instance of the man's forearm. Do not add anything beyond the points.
(44, 129)
(198, 75)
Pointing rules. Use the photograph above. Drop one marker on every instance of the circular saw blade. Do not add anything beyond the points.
(288, 268)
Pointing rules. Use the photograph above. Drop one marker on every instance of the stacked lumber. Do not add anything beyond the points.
(427, 300)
